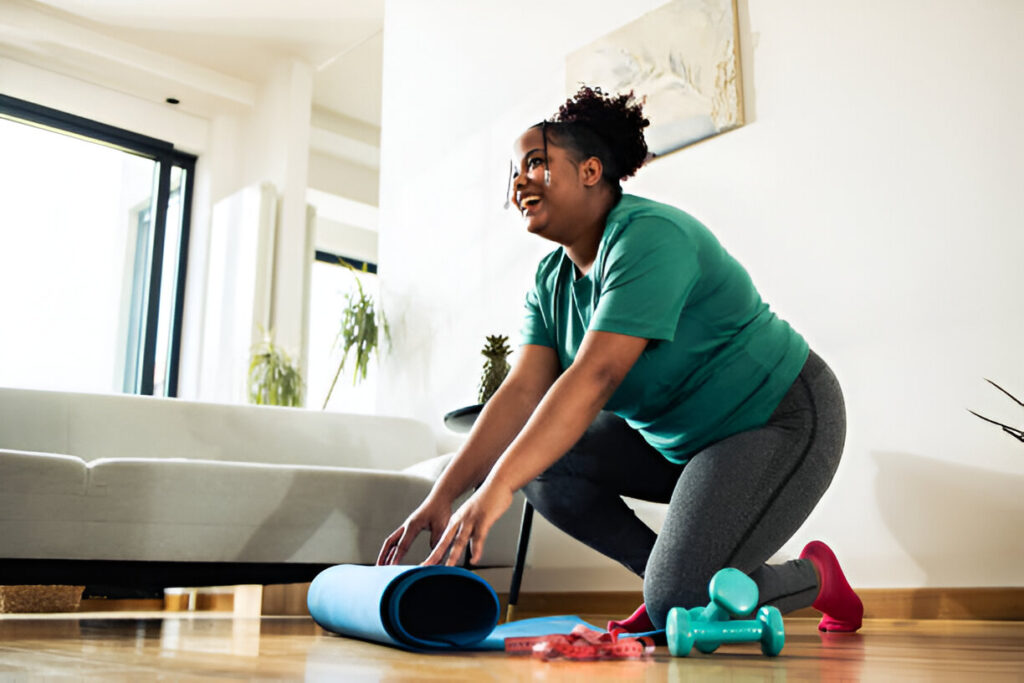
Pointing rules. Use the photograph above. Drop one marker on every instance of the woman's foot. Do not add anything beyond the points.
(638, 622)
(841, 609)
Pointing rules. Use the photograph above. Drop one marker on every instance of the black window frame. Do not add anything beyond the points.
(337, 259)
(164, 153)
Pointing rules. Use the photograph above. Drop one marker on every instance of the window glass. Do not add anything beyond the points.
(75, 231)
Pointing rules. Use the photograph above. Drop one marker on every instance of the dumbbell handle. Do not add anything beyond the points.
(728, 631)
(715, 612)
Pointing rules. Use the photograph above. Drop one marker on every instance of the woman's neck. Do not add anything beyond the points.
(583, 250)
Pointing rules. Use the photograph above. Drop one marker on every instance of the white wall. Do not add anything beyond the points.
(873, 195)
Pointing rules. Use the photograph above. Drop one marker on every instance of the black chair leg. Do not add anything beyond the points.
(517, 570)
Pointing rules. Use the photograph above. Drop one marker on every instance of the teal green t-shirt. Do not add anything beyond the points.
(719, 361)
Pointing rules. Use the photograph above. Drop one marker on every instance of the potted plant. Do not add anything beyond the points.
(496, 367)
(274, 378)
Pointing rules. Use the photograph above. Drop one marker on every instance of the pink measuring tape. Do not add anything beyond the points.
(582, 644)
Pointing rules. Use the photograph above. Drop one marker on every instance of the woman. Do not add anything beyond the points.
(650, 368)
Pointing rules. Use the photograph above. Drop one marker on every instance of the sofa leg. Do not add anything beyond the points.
(517, 570)
(248, 602)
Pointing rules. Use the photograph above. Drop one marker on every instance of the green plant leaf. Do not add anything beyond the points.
(359, 333)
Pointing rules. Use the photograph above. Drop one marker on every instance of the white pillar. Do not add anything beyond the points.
(289, 95)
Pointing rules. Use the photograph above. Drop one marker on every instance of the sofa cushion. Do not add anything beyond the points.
(40, 502)
(194, 510)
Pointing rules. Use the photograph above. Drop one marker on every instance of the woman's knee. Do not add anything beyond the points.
(663, 592)
(660, 602)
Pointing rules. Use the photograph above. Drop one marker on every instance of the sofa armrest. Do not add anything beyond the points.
(431, 468)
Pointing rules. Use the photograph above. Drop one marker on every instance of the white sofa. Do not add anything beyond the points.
(126, 490)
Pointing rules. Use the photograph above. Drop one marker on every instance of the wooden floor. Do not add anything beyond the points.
(203, 646)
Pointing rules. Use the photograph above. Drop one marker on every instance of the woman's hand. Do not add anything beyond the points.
(432, 514)
(471, 523)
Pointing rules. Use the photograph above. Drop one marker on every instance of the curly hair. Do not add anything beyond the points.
(609, 127)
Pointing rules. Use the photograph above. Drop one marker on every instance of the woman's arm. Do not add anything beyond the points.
(497, 425)
(559, 421)
(501, 419)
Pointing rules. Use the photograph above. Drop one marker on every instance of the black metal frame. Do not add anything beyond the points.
(525, 527)
(188, 163)
(337, 259)
(166, 156)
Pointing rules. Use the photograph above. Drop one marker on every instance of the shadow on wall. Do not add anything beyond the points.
(960, 524)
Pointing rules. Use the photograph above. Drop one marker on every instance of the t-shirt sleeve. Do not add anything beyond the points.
(535, 330)
(650, 270)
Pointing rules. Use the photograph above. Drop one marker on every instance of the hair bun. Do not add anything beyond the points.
(617, 119)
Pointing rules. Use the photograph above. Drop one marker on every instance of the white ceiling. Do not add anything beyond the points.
(240, 39)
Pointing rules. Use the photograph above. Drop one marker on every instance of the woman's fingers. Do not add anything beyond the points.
(446, 543)
(469, 527)
(461, 532)
(439, 548)
(398, 543)
(411, 532)
(476, 544)
(458, 544)
(388, 549)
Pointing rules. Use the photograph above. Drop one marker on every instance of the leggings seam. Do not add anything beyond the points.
(789, 475)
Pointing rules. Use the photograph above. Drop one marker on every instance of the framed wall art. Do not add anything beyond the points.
(683, 59)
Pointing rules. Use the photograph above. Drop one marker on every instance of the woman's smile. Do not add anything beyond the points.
(529, 204)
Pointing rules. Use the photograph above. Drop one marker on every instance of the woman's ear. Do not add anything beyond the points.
(591, 171)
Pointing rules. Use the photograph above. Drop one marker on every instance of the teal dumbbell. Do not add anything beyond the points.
(683, 633)
(733, 595)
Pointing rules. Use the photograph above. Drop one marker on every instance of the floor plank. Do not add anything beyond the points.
(148, 646)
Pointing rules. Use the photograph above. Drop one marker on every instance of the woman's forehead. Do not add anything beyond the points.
(531, 139)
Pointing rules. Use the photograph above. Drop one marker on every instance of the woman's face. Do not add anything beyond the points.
(548, 209)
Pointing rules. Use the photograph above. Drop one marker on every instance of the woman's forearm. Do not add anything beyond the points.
(557, 424)
(569, 407)
(501, 419)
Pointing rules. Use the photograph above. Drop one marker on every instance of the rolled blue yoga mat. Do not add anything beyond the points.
(423, 609)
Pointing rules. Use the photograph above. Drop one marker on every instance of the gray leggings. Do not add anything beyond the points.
(734, 504)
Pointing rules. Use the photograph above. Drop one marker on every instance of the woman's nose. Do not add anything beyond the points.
(519, 179)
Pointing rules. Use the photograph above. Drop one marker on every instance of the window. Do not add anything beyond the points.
(330, 283)
(94, 225)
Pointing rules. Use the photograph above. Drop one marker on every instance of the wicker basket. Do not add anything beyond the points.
(17, 599)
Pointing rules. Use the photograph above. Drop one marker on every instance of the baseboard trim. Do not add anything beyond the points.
(122, 605)
(984, 604)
